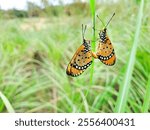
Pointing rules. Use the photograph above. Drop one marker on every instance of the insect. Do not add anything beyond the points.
(105, 49)
(82, 58)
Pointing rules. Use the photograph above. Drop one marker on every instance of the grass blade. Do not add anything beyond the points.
(85, 103)
(123, 93)
(147, 97)
(7, 103)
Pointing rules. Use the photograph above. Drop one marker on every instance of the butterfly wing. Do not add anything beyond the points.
(106, 52)
(81, 60)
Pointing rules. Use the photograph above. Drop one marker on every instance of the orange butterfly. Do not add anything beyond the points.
(105, 52)
(82, 58)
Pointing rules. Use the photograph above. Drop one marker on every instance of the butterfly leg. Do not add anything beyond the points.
(94, 55)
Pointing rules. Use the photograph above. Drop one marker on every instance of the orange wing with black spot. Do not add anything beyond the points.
(81, 60)
(105, 51)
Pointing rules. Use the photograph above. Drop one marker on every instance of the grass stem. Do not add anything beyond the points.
(92, 5)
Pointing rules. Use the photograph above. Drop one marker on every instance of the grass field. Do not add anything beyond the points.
(35, 52)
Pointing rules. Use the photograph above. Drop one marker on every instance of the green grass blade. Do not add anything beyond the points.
(7, 103)
(123, 93)
(92, 5)
(147, 97)
(85, 103)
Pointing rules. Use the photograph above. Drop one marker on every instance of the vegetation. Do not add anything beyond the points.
(48, 10)
(35, 51)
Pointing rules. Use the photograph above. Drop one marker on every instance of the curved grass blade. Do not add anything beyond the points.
(147, 97)
(123, 93)
(7, 103)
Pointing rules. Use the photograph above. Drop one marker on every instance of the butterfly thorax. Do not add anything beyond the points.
(87, 45)
(102, 35)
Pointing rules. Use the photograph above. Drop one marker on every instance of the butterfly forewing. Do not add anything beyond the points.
(105, 49)
(81, 60)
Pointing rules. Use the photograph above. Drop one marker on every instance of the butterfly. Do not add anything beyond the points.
(82, 58)
(105, 49)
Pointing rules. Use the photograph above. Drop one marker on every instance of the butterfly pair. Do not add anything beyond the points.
(82, 58)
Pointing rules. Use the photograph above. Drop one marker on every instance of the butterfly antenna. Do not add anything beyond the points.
(100, 20)
(110, 20)
(83, 31)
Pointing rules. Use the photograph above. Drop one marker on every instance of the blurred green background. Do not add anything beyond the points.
(37, 44)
